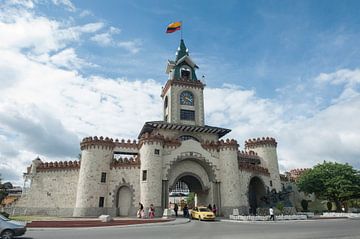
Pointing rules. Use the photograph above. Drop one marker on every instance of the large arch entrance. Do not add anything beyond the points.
(187, 185)
(256, 192)
(123, 202)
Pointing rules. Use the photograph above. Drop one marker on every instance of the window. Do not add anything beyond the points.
(101, 201)
(270, 183)
(187, 137)
(166, 102)
(103, 177)
(157, 151)
(187, 115)
(144, 175)
(185, 74)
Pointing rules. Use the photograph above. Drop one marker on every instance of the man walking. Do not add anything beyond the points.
(271, 212)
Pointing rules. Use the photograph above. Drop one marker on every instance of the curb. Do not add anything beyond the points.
(168, 223)
(278, 222)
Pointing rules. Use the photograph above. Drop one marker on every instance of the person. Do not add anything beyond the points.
(176, 208)
(214, 209)
(140, 212)
(186, 211)
(271, 212)
(151, 211)
(209, 207)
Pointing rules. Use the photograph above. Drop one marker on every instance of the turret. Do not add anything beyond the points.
(230, 188)
(151, 149)
(266, 149)
(92, 189)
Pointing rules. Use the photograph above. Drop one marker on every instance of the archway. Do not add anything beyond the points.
(184, 186)
(123, 202)
(256, 192)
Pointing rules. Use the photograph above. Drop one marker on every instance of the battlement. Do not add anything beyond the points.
(260, 142)
(127, 143)
(182, 82)
(92, 142)
(132, 162)
(56, 166)
(294, 174)
(249, 157)
(243, 166)
(220, 144)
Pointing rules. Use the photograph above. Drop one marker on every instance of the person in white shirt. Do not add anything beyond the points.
(271, 212)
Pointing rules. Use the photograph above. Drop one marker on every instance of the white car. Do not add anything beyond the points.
(10, 228)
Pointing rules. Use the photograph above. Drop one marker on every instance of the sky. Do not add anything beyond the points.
(284, 69)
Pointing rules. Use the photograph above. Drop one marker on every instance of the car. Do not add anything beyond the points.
(10, 228)
(202, 213)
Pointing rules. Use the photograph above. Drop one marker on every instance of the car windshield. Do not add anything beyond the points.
(4, 218)
(204, 210)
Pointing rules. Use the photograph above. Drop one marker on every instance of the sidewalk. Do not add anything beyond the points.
(94, 222)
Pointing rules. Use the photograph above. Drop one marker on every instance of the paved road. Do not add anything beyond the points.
(336, 228)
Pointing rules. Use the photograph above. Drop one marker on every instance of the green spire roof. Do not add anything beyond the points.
(182, 51)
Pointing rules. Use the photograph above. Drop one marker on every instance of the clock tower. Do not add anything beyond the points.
(183, 93)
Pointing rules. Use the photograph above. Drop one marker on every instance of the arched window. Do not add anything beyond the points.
(186, 98)
(185, 72)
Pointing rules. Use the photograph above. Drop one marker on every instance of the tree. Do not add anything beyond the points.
(332, 181)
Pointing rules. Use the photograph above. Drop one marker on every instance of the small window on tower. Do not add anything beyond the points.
(187, 115)
(101, 201)
(103, 177)
(157, 151)
(144, 175)
(271, 183)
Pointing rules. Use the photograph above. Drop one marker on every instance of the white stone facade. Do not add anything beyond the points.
(113, 176)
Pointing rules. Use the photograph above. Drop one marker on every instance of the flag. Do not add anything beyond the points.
(173, 27)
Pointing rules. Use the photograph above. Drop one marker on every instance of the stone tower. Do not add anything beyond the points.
(183, 93)
(266, 149)
(92, 189)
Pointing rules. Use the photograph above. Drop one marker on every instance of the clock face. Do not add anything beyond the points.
(186, 98)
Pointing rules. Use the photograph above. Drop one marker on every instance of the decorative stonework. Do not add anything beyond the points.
(183, 83)
(249, 157)
(228, 144)
(52, 166)
(125, 163)
(294, 174)
(126, 144)
(260, 142)
(95, 142)
(151, 138)
(253, 168)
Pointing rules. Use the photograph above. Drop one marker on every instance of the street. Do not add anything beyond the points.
(335, 228)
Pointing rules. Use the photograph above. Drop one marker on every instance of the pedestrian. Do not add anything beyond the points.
(151, 211)
(209, 207)
(214, 209)
(186, 211)
(176, 208)
(140, 212)
(271, 212)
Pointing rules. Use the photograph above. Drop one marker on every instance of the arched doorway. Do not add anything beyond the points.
(184, 188)
(123, 203)
(256, 192)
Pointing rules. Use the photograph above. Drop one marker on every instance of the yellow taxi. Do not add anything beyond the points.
(202, 213)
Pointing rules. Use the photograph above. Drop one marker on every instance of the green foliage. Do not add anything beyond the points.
(280, 207)
(332, 181)
(304, 205)
(190, 200)
(5, 214)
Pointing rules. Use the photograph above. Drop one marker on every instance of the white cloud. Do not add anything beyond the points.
(132, 46)
(67, 3)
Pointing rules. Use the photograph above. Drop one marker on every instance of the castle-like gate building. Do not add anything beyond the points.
(113, 176)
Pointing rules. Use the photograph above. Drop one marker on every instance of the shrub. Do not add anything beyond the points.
(304, 205)
(329, 206)
(5, 214)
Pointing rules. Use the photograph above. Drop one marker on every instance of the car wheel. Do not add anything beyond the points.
(7, 234)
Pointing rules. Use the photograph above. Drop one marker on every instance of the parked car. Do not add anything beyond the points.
(10, 228)
(202, 213)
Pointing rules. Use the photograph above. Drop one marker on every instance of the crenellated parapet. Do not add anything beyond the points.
(294, 174)
(171, 143)
(128, 144)
(249, 157)
(57, 166)
(197, 84)
(151, 138)
(260, 142)
(132, 162)
(253, 168)
(97, 142)
(228, 144)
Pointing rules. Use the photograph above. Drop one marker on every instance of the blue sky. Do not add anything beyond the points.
(286, 69)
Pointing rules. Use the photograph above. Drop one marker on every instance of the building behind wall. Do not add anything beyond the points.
(114, 175)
